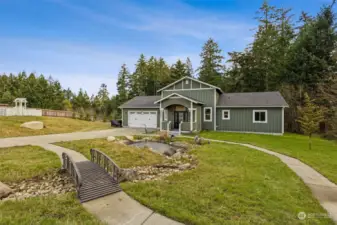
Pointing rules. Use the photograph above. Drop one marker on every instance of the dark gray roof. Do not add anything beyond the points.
(142, 102)
(252, 99)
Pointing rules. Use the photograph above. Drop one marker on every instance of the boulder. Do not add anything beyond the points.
(130, 138)
(5, 190)
(184, 166)
(34, 125)
(127, 175)
(111, 138)
(177, 155)
(169, 152)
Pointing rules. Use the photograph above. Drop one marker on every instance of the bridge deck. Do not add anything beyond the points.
(96, 182)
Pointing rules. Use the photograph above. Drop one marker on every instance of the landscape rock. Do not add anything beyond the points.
(34, 125)
(177, 155)
(5, 190)
(111, 138)
(54, 183)
(127, 175)
(169, 152)
(184, 166)
(130, 138)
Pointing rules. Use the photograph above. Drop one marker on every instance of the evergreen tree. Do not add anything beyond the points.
(137, 80)
(122, 84)
(211, 65)
(178, 70)
(310, 117)
(189, 68)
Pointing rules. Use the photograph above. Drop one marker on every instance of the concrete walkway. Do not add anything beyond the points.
(115, 209)
(324, 190)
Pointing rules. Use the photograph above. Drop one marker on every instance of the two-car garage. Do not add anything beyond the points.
(142, 118)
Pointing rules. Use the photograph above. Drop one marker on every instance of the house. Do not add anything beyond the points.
(191, 105)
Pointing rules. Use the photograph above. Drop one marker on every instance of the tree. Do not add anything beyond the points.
(137, 80)
(189, 68)
(103, 99)
(122, 84)
(310, 117)
(211, 66)
(178, 70)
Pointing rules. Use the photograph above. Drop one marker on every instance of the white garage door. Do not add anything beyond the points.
(140, 119)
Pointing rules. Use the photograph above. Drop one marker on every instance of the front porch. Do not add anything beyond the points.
(180, 114)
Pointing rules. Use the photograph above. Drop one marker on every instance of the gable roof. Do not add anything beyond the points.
(186, 77)
(179, 95)
(252, 99)
(141, 102)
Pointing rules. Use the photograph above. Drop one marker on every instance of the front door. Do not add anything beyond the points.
(178, 117)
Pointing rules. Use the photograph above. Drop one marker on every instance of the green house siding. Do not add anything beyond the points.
(241, 120)
(206, 96)
(126, 113)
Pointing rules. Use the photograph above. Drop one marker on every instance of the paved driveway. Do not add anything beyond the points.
(51, 138)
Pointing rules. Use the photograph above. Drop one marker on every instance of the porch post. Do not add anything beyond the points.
(160, 117)
(191, 117)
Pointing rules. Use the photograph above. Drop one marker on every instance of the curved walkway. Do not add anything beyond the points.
(324, 190)
(115, 209)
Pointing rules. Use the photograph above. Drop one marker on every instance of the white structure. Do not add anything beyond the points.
(20, 109)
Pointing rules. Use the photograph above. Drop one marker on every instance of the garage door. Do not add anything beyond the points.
(140, 119)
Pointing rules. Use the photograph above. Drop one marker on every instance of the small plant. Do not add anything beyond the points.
(310, 117)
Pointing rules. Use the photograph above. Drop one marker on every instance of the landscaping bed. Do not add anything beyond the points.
(230, 185)
(10, 125)
(41, 194)
(322, 157)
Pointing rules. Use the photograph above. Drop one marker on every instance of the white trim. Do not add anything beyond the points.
(181, 96)
(139, 107)
(195, 118)
(282, 125)
(229, 114)
(259, 110)
(254, 106)
(211, 119)
(249, 132)
(191, 117)
(214, 110)
(193, 89)
(161, 116)
(122, 118)
(186, 77)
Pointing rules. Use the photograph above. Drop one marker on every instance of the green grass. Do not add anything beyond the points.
(124, 156)
(231, 185)
(322, 157)
(54, 209)
(10, 125)
(17, 163)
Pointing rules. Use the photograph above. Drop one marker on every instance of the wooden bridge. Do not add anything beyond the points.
(93, 179)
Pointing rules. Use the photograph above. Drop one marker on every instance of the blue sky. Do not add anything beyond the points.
(83, 43)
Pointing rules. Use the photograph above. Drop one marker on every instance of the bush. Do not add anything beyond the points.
(87, 117)
(74, 115)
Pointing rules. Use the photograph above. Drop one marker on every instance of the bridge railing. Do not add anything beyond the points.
(106, 163)
(70, 166)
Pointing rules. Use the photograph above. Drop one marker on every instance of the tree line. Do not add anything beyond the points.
(296, 56)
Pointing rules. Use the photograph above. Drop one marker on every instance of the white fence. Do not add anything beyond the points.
(18, 111)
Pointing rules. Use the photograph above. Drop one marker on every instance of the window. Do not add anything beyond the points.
(165, 115)
(226, 114)
(260, 116)
(208, 114)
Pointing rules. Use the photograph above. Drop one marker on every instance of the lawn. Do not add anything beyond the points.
(231, 185)
(125, 156)
(54, 209)
(18, 163)
(10, 125)
(322, 157)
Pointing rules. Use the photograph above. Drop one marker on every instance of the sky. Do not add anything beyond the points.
(83, 43)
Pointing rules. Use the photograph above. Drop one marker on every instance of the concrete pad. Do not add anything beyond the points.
(156, 219)
(118, 209)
